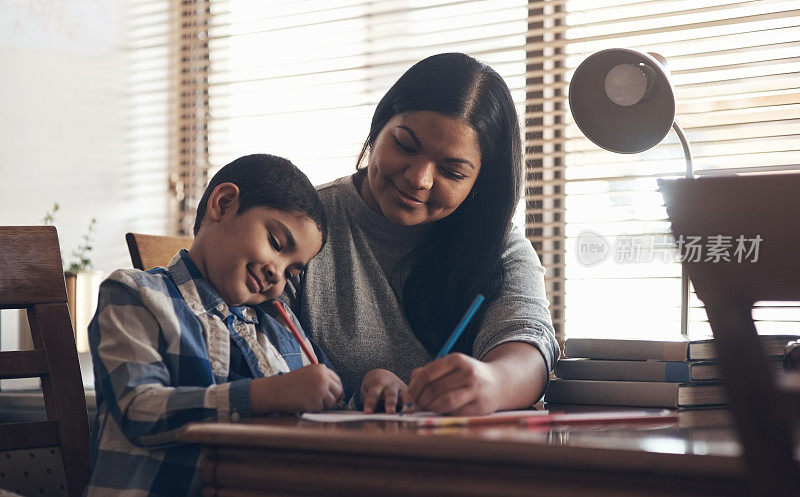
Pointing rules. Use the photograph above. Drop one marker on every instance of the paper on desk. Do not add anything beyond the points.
(420, 418)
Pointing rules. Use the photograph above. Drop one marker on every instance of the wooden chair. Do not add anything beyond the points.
(149, 251)
(35, 456)
(768, 206)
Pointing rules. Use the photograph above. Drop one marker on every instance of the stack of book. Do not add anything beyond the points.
(676, 373)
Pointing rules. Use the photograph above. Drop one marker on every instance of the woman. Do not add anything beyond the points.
(415, 235)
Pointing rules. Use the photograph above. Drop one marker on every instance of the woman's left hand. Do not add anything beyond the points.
(456, 384)
(381, 387)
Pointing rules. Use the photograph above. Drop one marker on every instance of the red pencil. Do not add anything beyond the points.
(294, 331)
(539, 418)
(602, 417)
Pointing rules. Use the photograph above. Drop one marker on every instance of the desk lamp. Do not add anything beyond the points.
(623, 101)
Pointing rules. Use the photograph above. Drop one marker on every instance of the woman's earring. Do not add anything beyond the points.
(471, 195)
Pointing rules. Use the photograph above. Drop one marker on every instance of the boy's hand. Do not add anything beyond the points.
(310, 388)
(382, 386)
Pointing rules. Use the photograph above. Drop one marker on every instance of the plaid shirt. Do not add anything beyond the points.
(161, 343)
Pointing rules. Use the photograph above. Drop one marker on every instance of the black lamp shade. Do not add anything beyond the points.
(618, 128)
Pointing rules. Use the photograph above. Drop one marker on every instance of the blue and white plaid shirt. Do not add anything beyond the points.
(161, 345)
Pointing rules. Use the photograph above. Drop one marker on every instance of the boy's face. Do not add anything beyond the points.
(247, 257)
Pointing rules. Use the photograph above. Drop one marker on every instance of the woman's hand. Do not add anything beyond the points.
(310, 388)
(456, 384)
(380, 385)
(512, 375)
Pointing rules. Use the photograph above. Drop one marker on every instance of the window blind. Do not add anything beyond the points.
(301, 79)
(736, 74)
(150, 94)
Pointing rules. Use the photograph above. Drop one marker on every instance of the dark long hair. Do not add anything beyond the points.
(461, 256)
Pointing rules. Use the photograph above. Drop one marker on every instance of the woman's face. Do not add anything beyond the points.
(421, 167)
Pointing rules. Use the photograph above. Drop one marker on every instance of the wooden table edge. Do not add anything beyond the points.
(455, 448)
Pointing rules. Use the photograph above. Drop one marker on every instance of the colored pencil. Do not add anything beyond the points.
(601, 418)
(293, 329)
(541, 418)
(451, 340)
(461, 326)
(496, 418)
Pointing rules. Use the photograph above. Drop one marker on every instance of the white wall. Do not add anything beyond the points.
(63, 124)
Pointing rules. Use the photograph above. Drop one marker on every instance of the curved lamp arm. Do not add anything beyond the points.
(687, 153)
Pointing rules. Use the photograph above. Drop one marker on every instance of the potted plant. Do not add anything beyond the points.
(83, 282)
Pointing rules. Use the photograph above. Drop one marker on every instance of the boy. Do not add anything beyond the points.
(188, 343)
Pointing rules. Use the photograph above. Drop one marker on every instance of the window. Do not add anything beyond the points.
(735, 71)
(301, 79)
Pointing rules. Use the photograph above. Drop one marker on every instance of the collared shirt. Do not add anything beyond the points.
(161, 346)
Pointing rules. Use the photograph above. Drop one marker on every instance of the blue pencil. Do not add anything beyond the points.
(473, 307)
(459, 329)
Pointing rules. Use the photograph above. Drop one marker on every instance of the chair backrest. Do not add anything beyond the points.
(764, 210)
(149, 251)
(32, 278)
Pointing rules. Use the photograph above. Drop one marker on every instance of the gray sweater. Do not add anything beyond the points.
(349, 299)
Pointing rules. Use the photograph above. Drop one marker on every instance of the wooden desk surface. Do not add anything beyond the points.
(291, 457)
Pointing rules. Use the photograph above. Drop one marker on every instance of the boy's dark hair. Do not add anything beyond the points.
(268, 181)
(462, 254)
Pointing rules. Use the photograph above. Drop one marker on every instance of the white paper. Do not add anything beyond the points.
(417, 417)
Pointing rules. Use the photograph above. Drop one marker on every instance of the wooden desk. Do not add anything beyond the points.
(289, 457)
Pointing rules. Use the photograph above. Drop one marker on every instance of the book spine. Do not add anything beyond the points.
(626, 349)
(598, 369)
(608, 393)
(677, 372)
